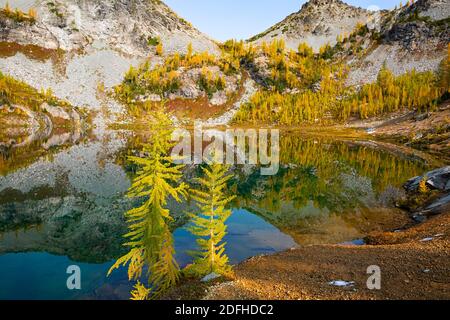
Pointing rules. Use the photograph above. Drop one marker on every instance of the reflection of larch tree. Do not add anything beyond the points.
(150, 237)
(209, 225)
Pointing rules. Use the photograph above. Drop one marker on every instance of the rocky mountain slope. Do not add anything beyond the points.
(411, 37)
(414, 36)
(127, 26)
(317, 23)
(76, 46)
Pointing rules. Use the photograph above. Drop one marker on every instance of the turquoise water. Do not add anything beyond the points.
(68, 209)
(43, 276)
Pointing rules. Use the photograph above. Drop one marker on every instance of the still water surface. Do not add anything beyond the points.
(66, 207)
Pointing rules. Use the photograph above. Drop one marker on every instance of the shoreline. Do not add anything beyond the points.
(412, 267)
(412, 259)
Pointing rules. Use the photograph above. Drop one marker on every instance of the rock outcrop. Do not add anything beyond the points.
(438, 180)
(411, 37)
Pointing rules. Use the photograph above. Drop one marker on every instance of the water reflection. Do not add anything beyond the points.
(20, 147)
(39, 275)
(72, 205)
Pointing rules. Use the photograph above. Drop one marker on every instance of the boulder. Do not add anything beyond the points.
(438, 179)
(442, 205)
(189, 91)
(422, 116)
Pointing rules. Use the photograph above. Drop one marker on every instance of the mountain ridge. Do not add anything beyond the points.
(127, 26)
(318, 22)
(105, 38)
(413, 37)
(95, 43)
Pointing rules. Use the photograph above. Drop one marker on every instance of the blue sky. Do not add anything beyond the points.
(241, 19)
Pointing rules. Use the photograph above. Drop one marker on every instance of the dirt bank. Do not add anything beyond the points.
(429, 132)
(414, 265)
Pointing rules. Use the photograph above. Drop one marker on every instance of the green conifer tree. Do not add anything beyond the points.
(209, 225)
(150, 239)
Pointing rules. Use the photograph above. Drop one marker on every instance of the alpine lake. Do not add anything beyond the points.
(63, 199)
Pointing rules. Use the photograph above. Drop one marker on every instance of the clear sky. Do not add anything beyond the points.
(241, 19)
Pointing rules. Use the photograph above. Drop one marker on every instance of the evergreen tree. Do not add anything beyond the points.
(150, 237)
(209, 225)
(385, 77)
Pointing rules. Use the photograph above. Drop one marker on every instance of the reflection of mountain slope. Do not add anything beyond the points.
(71, 226)
(314, 226)
(329, 191)
(81, 226)
(334, 175)
(73, 203)
(20, 148)
(334, 190)
(70, 203)
(339, 212)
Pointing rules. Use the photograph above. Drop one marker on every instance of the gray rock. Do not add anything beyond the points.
(210, 277)
(125, 26)
(190, 91)
(318, 22)
(437, 179)
(219, 98)
(421, 117)
(440, 206)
